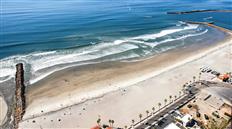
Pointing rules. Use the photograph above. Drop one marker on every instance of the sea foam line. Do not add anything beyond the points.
(89, 95)
(165, 32)
(42, 60)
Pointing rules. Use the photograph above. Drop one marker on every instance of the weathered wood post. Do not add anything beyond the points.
(19, 99)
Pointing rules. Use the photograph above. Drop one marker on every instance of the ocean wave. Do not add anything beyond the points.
(42, 64)
(93, 53)
(154, 44)
(165, 32)
(183, 37)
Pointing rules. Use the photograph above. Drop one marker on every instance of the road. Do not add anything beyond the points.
(163, 117)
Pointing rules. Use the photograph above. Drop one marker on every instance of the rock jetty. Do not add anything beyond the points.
(19, 99)
(198, 11)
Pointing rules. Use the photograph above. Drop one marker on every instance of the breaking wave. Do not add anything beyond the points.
(41, 64)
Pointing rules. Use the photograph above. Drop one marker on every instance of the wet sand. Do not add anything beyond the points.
(117, 90)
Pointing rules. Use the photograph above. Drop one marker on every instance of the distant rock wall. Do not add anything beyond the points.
(199, 11)
(19, 99)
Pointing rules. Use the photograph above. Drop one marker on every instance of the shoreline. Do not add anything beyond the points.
(84, 115)
(92, 87)
(98, 90)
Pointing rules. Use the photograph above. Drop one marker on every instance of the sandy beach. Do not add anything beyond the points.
(3, 111)
(76, 97)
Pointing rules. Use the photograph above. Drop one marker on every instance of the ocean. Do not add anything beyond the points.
(50, 35)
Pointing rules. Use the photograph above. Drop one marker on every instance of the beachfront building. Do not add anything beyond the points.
(224, 77)
(215, 101)
(212, 105)
(186, 121)
(172, 126)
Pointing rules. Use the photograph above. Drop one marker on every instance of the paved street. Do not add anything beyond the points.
(163, 118)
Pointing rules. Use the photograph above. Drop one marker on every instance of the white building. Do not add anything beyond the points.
(171, 126)
(184, 119)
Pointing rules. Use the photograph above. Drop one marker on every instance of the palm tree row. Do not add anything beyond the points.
(111, 122)
(99, 121)
(165, 100)
(159, 105)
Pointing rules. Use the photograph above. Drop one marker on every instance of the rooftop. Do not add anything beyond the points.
(223, 94)
(171, 126)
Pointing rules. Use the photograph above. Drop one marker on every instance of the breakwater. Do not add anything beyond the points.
(19, 99)
(198, 11)
(211, 25)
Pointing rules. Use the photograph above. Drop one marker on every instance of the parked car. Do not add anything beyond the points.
(206, 117)
(198, 114)
(216, 114)
(160, 123)
(189, 106)
(209, 70)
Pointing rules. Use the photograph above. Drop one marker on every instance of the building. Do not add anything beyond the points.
(215, 99)
(185, 120)
(172, 126)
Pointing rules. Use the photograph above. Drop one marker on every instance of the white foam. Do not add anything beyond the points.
(153, 44)
(6, 79)
(41, 60)
(43, 75)
(6, 72)
(183, 37)
(77, 57)
(44, 53)
(165, 32)
(116, 42)
(207, 18)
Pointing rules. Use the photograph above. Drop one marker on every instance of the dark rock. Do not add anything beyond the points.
(19, 99)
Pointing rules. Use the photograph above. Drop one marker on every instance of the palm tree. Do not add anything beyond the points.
(170, 98)
(183, 87)
(125, 127)
(153, 110)
(147, 112)
(175, 97)
(199, 76)
(140, 117)
(179, 93)
(132, 121)
(194, 78)
(98, 121)
(159, 104)
(165, 101)
(112, 121)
